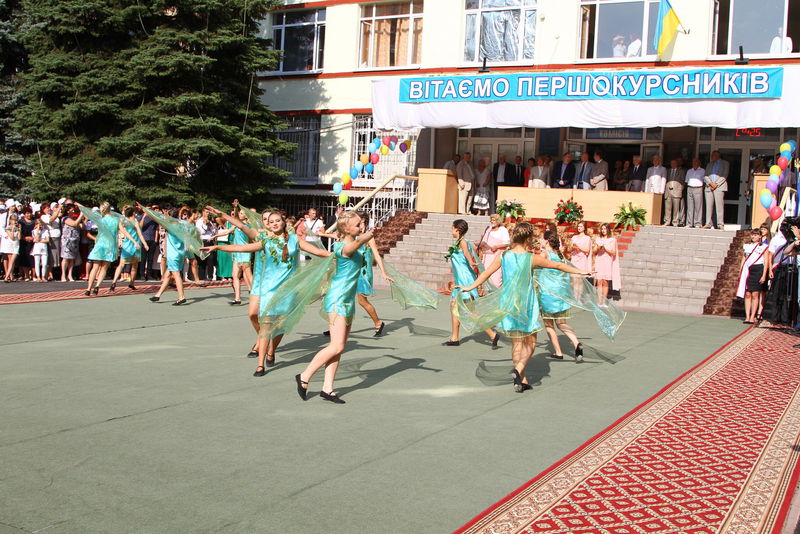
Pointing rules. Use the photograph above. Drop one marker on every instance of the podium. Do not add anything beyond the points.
(437, 191)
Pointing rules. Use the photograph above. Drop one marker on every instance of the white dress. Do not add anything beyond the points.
(10, 246)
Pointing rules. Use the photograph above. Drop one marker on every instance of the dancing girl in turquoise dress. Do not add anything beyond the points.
(242, 261)
(131, 250)
(555, 311)
(276, 259)
(515, 308)
(105, 249)
(463, 260)
(339, 304)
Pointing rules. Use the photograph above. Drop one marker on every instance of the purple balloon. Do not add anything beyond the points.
(772, 186)
(403, 147)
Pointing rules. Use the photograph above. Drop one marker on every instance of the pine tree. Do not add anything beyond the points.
(14, 168)
(150, 100)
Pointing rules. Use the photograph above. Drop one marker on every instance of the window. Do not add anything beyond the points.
(499, 30)
(303, 130)
(763, 27)
(391, 34)
(618, 29)
(395, 162)
(301, 37)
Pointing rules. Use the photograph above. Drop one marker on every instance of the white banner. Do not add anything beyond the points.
(389, 113)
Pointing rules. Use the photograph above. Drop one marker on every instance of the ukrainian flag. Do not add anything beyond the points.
(666, 26)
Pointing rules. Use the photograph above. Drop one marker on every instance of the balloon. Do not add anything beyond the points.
(372, 148)
(393, 139)
(348, 185)
(358, 166)
(346, 180)
(337, 188)
(783, 162)
(786, 154)
(364, 159)
(343, 198)
(375, 158)
(775, 170)
(377, 141)
(775, 213)
(792, 144)
(772, 187)
(385, 150)
(774, 178)
(369, 168)
(392, 145)
(786, 147)
(404, 147)
(386, 140)
(766, 198)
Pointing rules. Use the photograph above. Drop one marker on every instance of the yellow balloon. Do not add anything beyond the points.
(346, 179)
(343, 198)
(785, 146)
(364, 158)
(384, 149)
(775, 170)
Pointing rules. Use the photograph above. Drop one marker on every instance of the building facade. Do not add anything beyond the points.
(333, 51)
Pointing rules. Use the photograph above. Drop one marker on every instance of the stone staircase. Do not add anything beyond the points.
(722, 300)
(421, 253)
(396, 228)
(672, 269)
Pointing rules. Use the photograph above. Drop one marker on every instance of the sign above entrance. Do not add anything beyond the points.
(615, 133)
(583, 85)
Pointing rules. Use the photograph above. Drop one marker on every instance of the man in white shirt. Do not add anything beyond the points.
(716, 181)
(656, 180)
(598, 179)
(466, 179)
(205, 225)
(453, 163)
(695, 178)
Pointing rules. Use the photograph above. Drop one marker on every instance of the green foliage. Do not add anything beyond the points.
(630, 216)
(150, 100)
(509, 208)
(568, 211)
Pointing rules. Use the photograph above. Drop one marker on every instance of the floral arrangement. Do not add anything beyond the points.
(630, 216)
(568, 211)
(507, 209)
(452, 250)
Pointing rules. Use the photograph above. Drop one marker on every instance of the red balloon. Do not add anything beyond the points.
(375, 158)
(775, 213)
(783, 163)
(393, 139)
(386, 140)
(348, 185)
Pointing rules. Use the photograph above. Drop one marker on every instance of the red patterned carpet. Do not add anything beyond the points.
(69, 294)
(715, 451)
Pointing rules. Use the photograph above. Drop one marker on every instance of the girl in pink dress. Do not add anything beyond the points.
(581, 255)
(606, 262)
(494, 241)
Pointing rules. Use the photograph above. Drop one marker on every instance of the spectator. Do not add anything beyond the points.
(563, 173)
(495, 240)
(598, 177)
(150, 256)
(40, 250)
(716, 181)
(673, 194)
(10, 246)
(638, 175)
(51, 217)
(519, 172)
(539, 175)
(26, 243)
(466, 180)
(695, 178)
(583, 172)
(622, 171)
(483, 188)
(452, 164)
(656, 180)
(207, 228)
(71, 230)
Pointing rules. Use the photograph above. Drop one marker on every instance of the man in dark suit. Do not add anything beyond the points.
(519, 172)
(638, 175)
(503, 174)
(563, 173)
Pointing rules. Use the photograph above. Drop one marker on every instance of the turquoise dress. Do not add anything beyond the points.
(271, 272)
(462, 274)
(105, 245)
(176, 253)
(552, 307)
(513, 325)
(365, 279)
(240, 238)
(341, 296)
(129, 250)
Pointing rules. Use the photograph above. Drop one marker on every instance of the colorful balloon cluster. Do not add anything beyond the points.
(380, 146)
(768, 195)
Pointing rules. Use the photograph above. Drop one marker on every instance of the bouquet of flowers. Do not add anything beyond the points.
(509, 208)
(568, 211)
(630, 216)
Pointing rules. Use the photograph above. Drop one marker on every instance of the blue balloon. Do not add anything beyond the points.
(786, 154)
(353, 173)
(358, 166)
(372, 148)
(337, 188)
(369, 168)
(377, 142)
(793, 145)
(766, 200)
(774, 178)
(392, 145)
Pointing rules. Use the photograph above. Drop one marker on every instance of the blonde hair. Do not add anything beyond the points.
(343, 220)
(105, 208)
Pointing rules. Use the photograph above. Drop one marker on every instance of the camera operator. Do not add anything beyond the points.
(207, 228)
(781, 303)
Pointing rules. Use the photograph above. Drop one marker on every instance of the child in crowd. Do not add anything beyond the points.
(753, 276)
(40, 250)
(10, 246)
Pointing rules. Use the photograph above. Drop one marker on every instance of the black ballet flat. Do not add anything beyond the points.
(557, 356)
(179, 302)
(517, 381)
(450, 343)
(332, 397)
(96, 290)
(327, 333)
(495, 340)
(379, 330)
(132, 287)
(86, 293)
(579, 353)
(154, 299)
(253, 352)
(270, 362)
(262, 372)
(112, 287)
(235, 303)
(302, 391)
(526, 387)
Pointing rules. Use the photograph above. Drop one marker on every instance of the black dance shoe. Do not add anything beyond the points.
(557, 356)
(154, 299)
(262, 372)
(85, 294)
(579, 353)
(132, 287)
(327, 333)
(253, 352)
(379, 330)
(495, 340)
(526, 387)
(302, 391)
(96, 290)
(235, 303)
(332, 397)
(112, 287)
(270, 362)
(451, 343)
(179, 302)
(517, 381)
